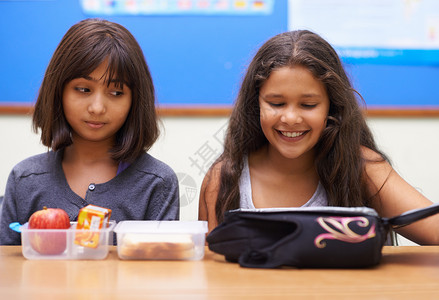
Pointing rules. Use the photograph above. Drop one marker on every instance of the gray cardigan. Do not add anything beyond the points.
(146, 190)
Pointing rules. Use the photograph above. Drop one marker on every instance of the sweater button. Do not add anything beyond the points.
(91, 187)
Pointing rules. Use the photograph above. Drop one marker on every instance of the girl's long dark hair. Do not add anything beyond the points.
(339, 161)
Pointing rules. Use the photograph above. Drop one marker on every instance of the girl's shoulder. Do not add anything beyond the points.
(211, 181)
(39, 163)
(377, 168)
(371, 155)
(374, 161)
(148, 164)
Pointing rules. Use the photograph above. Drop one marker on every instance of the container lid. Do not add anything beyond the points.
(110, 226)
(192, 227)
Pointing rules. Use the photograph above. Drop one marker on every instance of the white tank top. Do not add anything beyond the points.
(245, 191)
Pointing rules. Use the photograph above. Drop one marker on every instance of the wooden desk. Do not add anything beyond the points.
(410, 272)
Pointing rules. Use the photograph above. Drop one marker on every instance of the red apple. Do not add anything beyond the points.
(50, 242)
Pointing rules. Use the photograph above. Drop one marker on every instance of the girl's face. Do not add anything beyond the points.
(94, 110)
(294, 106)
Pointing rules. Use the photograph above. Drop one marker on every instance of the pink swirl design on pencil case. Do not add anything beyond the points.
(338, 229)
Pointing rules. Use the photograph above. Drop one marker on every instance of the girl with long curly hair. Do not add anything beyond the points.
(297, 137)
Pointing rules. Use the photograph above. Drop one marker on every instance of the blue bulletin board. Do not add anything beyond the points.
(195, 57)
(197, 50)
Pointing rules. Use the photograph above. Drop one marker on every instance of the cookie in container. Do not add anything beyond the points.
(161, 240)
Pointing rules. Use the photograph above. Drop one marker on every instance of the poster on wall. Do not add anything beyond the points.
(395, 32)
(177, 7)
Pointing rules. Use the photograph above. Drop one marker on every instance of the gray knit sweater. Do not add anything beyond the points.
(146, 190)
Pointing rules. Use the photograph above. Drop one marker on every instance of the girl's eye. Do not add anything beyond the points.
(275, 104)
(82, 89)
(308, 106)
(117, 93)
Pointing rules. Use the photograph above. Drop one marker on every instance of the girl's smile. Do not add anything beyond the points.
(293, 134)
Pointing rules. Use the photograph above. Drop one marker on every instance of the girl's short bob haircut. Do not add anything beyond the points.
(82, 49)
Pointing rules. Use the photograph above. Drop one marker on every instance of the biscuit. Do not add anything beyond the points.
(156, 246)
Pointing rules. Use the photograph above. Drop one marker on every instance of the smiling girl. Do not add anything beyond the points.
(96, 113)
(297, 137)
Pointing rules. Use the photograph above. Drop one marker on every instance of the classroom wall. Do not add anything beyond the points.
(189, 145)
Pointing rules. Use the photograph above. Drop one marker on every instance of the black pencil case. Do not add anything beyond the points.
(311, 237)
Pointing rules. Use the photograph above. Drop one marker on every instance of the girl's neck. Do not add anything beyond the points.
(297, 166)
(277, 181)
(87, 162)
(88, 152)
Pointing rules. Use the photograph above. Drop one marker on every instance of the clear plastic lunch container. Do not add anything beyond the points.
(60, 243)
(161, 240)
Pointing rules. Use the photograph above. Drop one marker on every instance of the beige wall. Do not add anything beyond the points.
(188, 145)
